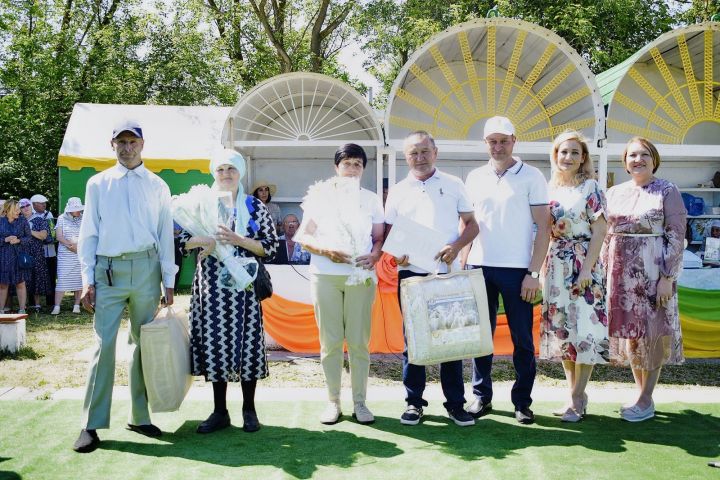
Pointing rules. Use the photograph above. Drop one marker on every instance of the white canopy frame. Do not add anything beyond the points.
(301, 116)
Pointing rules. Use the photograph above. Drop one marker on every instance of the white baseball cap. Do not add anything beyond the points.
(501, 125)
(37, 198)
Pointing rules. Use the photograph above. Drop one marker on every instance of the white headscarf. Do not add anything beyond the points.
(228, 156)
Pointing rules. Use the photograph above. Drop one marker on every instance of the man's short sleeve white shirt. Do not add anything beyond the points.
(502, 209)
(436, 203)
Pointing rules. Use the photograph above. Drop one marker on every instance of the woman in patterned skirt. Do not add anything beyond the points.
(643, 253)
(574, 327)
(39, 284)
(226, 327)
(68, 267)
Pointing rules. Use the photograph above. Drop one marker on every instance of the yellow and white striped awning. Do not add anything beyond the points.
(669, 91)
(495, 66)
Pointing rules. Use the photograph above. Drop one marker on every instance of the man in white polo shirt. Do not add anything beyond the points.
(436, 200)
(508, 196)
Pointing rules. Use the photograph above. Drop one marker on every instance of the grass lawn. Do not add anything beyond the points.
(37, 436)
(57, 353)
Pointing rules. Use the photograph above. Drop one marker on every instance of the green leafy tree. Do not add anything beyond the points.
(390, 31)
(57, 53)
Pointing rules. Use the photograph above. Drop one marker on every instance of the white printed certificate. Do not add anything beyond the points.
(419, 242)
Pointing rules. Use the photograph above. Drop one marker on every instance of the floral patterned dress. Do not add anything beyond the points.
(574, 323)
(39, 283)
(646, 230)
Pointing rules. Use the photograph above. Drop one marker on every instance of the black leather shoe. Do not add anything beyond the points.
(250, 421)
(525, 416)
(87, 441)
(216, 421)
(149, 430)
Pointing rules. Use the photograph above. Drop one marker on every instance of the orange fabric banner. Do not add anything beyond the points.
(293, 326)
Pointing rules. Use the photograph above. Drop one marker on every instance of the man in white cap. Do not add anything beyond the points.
(126, 251)
(509, 197)
(39, 205)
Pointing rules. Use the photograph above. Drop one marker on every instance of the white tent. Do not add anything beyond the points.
(178, 138)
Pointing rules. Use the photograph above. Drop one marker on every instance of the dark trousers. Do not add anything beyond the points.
(451, 373)
(507, 282)
(52, 273)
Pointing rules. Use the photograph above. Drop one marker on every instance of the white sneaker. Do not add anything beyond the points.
(363, 414)
(55, 310)
(331, 414)
(76, 308)
(637, 414)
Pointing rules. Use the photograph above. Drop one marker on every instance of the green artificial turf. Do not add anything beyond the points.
(36, 439)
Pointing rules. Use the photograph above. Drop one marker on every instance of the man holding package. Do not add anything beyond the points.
(125, 250)
(436, 200)
(508, 196)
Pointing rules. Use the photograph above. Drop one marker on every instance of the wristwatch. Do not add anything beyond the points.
(533, 274)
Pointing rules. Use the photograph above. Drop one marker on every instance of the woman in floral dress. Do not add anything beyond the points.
(574, 328)
(643, 253)
(39, 283)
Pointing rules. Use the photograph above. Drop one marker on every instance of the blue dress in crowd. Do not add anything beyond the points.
(10, 274)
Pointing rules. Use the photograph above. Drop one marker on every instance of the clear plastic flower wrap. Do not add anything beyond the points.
(333, 219)
(198, 212)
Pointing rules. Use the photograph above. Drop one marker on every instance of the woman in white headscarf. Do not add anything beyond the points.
(227, 339)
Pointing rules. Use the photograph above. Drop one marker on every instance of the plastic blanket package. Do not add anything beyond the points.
(446, 317)
(166, 359)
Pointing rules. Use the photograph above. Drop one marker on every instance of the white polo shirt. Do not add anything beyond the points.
(436, 203)
(502, 209)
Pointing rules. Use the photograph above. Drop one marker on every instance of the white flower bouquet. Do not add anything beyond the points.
(333, 206)
(198, 212)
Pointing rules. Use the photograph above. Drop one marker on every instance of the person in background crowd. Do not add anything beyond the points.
(177, 229)
(264, 191)
(68, 233)
(227, 343)
(39, 204)
(39, 283)
(295, 253)
(643, 256)
(574, 326)
(14, 234)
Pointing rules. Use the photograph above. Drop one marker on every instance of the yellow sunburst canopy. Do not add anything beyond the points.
(496, 66)
(669, 90)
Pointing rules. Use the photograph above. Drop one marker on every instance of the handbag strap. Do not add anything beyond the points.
(437, 268)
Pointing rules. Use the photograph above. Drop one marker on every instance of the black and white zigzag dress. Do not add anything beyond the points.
(227, 341)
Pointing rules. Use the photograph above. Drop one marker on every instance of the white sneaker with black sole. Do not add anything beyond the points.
(412, 415)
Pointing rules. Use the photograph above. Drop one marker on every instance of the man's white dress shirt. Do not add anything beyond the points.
(126, 211)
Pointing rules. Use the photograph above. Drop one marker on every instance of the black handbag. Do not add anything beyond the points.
(25, 261)
(263, 282)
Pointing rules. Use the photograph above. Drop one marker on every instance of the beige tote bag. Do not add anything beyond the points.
(446, 317)
(165, 353)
